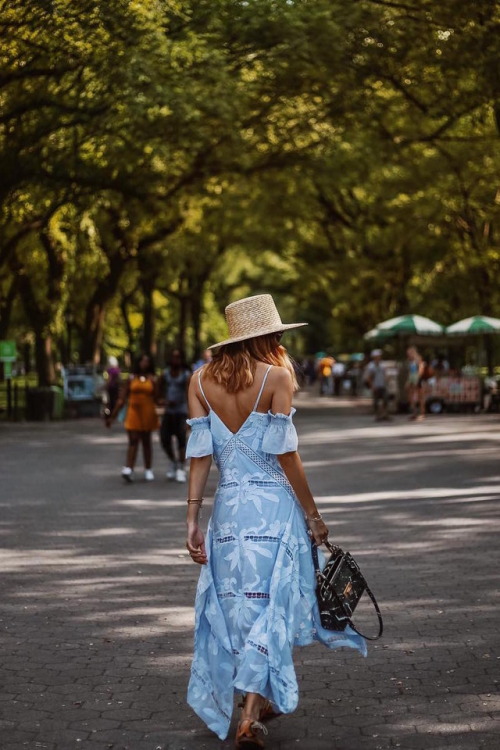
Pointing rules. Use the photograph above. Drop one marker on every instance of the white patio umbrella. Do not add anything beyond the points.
(474, 326)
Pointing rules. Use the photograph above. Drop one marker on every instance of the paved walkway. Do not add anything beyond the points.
(96, 590)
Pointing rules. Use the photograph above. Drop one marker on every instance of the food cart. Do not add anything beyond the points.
(453, 393)
(445, 393)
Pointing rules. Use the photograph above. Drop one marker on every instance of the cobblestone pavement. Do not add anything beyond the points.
(96, 590)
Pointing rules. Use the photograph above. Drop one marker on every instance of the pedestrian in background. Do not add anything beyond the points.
(256, 595)
(139, 396)
(338, 372)
(440, 366)
(325, 375)
(309, 370)
(205, 358)
(174, 386)
(375, 378)
(414, 382)
(113, 374)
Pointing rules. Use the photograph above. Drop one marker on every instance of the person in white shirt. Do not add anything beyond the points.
(375, 378)
(338, 371)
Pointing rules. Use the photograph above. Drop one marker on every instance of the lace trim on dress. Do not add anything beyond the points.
(265, 466)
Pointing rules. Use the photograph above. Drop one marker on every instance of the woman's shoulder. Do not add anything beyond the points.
(279, 375)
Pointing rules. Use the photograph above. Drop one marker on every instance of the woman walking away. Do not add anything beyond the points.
(256, 594)
(139, 397)
(174, 387)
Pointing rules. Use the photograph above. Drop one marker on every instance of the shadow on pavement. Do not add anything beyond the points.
(97, 591)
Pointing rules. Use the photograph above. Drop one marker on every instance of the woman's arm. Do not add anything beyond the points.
(160, 390)
(291, 463)
(120, 402)
(198, 475)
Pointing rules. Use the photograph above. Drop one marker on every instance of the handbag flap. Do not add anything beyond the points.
(342, 580)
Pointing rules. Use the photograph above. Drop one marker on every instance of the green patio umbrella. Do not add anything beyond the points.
(376, 335)
(415, 324)
(478, 324)
(405, 325)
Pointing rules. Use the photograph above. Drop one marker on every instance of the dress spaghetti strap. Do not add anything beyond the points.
(203, 392)
(261, 388)
(258, 395)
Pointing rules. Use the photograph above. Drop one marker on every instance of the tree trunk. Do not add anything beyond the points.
(95, 313)
(196, 311)
(126, 322)
(148, 326)
(197, 287)
(27, 357)
(183, 319)
(39, 320)
(44, 359)
(92, 334)
(6, 304)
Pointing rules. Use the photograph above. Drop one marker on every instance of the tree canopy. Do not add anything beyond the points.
(162, 158)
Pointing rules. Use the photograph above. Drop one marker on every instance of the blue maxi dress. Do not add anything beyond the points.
(256, 596)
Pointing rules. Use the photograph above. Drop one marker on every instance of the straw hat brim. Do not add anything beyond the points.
(263, 332)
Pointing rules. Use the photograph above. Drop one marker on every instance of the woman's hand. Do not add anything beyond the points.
(195, 544)
(319, 530)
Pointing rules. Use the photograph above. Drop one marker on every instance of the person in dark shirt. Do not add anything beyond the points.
(174, 386)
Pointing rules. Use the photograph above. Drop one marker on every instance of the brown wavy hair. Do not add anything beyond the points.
(233, 366)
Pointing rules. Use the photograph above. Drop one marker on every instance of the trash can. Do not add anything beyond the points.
(58, 402)
(39, 404)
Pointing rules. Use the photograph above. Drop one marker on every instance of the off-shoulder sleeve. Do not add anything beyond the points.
(280, 435)
(200, 440)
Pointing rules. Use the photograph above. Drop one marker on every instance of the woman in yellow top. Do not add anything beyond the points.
(140, 395)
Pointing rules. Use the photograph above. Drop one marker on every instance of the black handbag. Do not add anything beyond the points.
(340, 586)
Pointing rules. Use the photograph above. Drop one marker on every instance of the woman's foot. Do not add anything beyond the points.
(127, 473)
(180, 475)
(249, 735)
(148, 475)
(171, 471)
(267, 710)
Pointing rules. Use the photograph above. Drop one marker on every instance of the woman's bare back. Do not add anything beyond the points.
(234, 408)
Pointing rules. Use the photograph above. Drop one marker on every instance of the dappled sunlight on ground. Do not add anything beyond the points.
(97, 588)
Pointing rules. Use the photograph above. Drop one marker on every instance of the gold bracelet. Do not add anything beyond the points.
(317, 517)
(195, 501)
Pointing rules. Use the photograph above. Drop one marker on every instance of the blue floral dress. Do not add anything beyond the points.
(256, 596)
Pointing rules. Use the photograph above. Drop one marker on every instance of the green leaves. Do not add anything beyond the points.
(341, 155)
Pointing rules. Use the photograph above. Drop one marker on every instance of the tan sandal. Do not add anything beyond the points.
(267, 711)
(247, 735)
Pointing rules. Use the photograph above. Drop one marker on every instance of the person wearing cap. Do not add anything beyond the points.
(256, 593)
(376, 379)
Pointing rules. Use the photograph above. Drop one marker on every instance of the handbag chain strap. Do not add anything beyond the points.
(333, 549)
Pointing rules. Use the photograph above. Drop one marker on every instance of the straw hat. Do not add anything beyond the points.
(251, 317)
